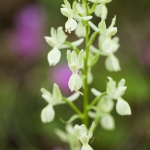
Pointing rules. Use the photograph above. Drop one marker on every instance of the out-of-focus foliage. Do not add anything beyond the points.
(22, 76)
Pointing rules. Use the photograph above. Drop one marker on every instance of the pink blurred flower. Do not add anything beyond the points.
(27, 37)
(60, 74)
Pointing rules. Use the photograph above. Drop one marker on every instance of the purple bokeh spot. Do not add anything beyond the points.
(60, 74)
(27, 38)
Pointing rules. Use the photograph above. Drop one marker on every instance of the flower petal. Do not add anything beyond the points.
(112, 63)
(80, 59)
(46, 95)
(107, 45)
(54, 56)
(80, 30)
(74, 96)
(50, 40)
(75, 82)
(111, 87)
(122, 107)
(70, 25)
(56, 94)
(47, 114)
(107, 122)
(102, 27)
(95, 92)
(106, 104)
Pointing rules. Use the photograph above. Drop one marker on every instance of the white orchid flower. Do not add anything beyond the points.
(72, 14)
(122, 107)
(103, 108)
(112, 62)
(48, 113)
(56, 41)
(75, 63)
(106, 43)
(83, 134)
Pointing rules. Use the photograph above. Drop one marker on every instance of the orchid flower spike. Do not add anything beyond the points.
(56, 41)
(83, 134)
(75, 63)
(122, 107)
(72, 14)
(48, 113)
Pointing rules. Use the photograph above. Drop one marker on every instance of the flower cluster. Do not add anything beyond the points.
(80, 62)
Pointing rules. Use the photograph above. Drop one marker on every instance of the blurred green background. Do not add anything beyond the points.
(24, 70)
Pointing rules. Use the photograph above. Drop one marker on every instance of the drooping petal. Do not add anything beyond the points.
(112, 63)
(107, 122)
(101, 11)
(71, 82)
(104, 12)
(47, 114)
(80, 30)
(122, 107)
(54, 56)
(70, 25)
(75, 82)
(116, 44)
(86, 147)
(98, 10)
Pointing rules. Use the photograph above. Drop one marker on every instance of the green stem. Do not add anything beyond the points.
(96, 121)
(72, 46)
(97, 99)
(73, 106)
(92, 38)
(85, 90)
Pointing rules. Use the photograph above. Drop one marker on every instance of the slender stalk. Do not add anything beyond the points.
(73, 106)
(72, 46)
(97, 99)
(85, 90)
